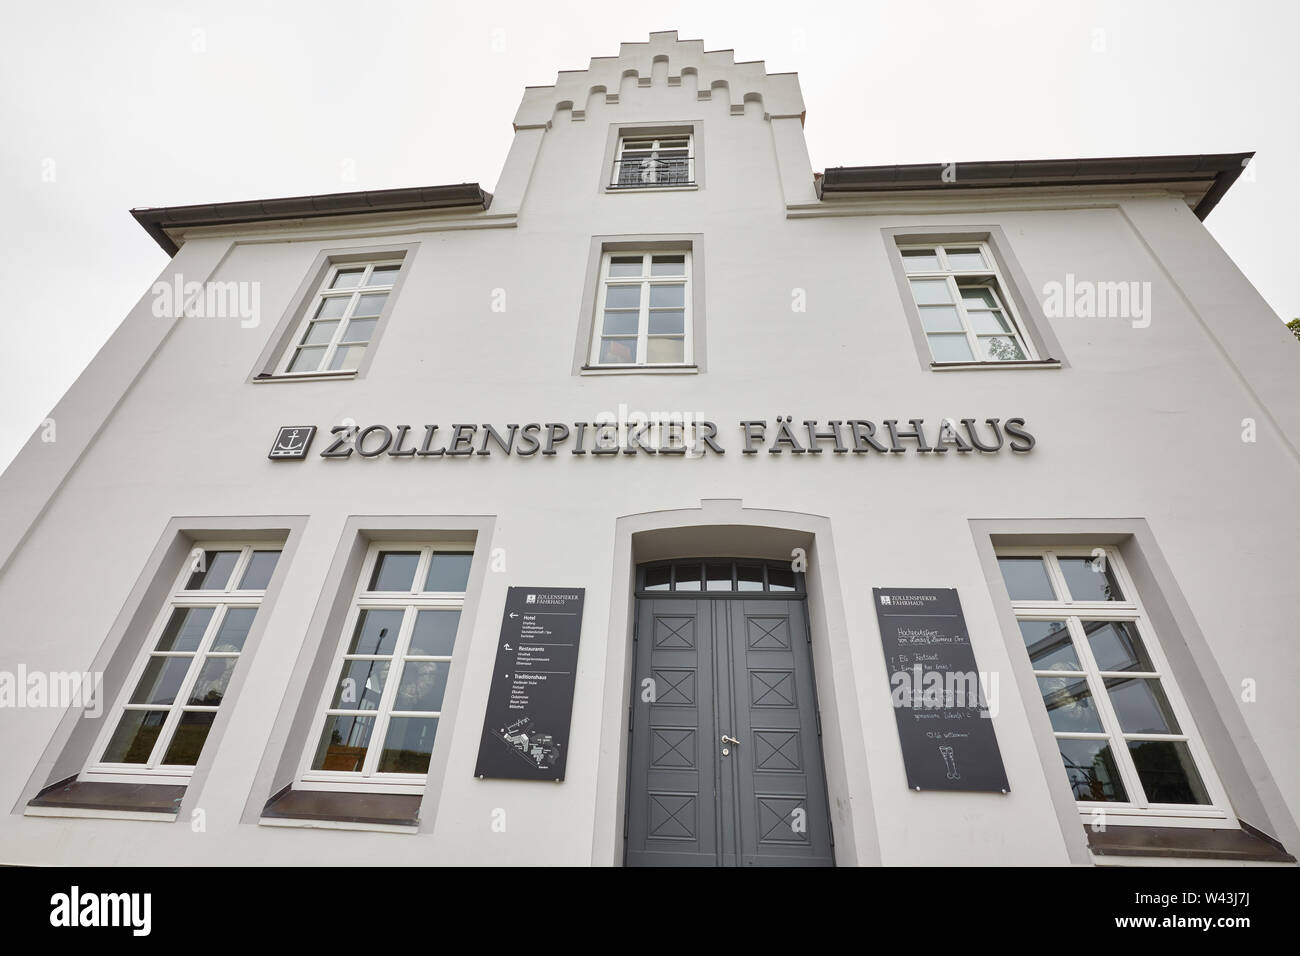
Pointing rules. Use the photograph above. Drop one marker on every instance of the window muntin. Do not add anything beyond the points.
(1126, 739)
(159, 727)
(647, 161)
(379, 716)
(644, 310)
(341, 319)
(965, 312)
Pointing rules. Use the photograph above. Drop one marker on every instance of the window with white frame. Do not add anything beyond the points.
(654, 161)
(341, 318)
(379, 715)
(965, 311)
(1124, 733)
(158, 729)
(644, 310)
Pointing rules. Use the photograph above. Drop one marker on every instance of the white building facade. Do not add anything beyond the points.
(667, 366)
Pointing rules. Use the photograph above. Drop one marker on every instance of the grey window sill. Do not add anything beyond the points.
(1246, 844)
(314, 377)
(640, 370)
(336, 809)
(993, 366)
(675, 188)
(130, 801)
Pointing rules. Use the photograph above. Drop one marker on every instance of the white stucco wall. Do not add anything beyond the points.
(1143, 423)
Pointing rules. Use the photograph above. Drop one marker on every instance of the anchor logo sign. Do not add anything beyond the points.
(292, 442)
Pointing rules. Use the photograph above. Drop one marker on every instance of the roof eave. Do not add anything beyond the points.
(1220, 170)
(160, 221)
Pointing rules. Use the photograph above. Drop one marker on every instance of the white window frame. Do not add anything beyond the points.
(368, 780)
(222, 600)
(655, 139)
(353, 294)
(951, 275)
(645, 281)
(1137, 811)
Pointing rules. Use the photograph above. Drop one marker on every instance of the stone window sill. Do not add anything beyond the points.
(129, 801)
(1246, 844)
(333, 809)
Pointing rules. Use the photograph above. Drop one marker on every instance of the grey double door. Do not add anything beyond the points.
(725, 765)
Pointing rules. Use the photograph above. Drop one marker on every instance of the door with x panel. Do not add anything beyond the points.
(725, 763)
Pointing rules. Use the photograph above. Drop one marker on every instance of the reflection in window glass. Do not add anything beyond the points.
(1141, 706)
(780, 578)
(1090, 580)
(1070, 705)
(343, 743)
(1026, 579)
(360, 684)
(258, 573)
(187, 742)
(719, 577)
(161, 680)
(688, 577)
(1116, 646)
(1049, 645)
(185, 628)
(394, 571)
(749, 577)
(434, 633)
(408, 745)
(213, 571)
(376, 632)
(233, 630)
(133, 740)
(448, 571)
(1090, 768)
(1167, 772)
(658, 579)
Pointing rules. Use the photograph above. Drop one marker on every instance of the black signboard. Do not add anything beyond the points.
(526, 727)
(938, 692)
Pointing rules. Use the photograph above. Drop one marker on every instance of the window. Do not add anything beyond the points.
(644, 313)
(158, 730)
(379, 716)
(964, 311)
(340, 319)
(654, 161)
(1124, 734)
(773, 577)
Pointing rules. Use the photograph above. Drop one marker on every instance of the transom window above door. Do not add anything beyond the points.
(644, 310)
(649, 161)
(341, 319)
(965, 312)
(695, 575)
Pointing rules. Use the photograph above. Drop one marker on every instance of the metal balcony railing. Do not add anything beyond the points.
(641, 171)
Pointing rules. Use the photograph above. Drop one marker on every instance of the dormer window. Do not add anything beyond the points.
(654, 161)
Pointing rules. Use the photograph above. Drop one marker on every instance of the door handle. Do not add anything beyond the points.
(730, 740)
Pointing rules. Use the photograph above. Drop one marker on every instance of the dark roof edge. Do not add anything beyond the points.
(158, 220)
(1221, 168)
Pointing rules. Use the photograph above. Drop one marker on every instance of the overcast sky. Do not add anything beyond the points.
(108, 106)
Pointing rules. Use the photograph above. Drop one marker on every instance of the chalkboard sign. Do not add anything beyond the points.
(938, 692)
(526, 727)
